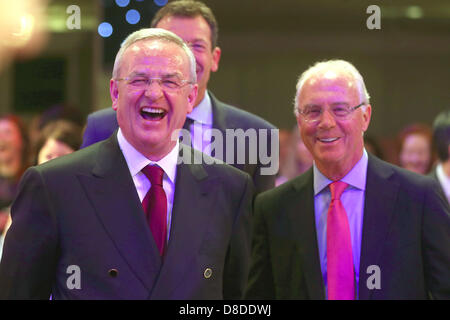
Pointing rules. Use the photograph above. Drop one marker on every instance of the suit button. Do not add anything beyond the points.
(208, 273)
(113, 273)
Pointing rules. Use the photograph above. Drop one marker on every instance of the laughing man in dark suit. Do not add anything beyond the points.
(385, 230)
(79, 229)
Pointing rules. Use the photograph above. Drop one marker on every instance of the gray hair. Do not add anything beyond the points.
(155, 34)
(341, 65)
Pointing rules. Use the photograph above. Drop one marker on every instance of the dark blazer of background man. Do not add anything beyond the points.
(404, 220)
(195, 23)
(82, 213)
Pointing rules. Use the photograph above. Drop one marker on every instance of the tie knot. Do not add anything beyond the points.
(336, 189)
(154, 174)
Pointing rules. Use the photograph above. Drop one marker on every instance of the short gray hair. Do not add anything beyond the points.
(155, 34)
(323, 66)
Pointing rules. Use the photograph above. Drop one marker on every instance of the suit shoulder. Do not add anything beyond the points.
(411, 184)
(238, 118)
(108, 113)
(77, 161)
(403, 176)
(213, 165)
(281, 193)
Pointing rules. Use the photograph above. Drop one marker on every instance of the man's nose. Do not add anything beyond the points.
(327, 119)
(153, 89)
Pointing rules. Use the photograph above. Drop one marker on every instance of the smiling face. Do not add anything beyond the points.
(416, 154)
(149, 116)
(336, 145)
(197, 34)
(11, 148)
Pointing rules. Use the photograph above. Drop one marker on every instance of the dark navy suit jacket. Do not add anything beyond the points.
(82, 212)
(406, 234)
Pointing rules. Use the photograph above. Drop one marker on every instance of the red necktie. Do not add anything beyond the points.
(340, 273)
(155, 206)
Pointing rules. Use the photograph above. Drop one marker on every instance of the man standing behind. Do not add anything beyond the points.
(353, 226)
(441, 140)
(195, 23)
(121, 219)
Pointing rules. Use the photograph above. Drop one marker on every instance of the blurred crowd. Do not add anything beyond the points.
(54, 133)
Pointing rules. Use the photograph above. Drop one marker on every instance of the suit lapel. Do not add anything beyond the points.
(380, 199)
(219, 114)
(193, 200)
(222, 123)
(219, 123)
(117, 205)
(301, 213)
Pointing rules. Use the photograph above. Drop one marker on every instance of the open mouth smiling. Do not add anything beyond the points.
(153, 114)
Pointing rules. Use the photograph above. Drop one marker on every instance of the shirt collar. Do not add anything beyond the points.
(203, 111)
(443, 179)
(355, 178)
(136, 161)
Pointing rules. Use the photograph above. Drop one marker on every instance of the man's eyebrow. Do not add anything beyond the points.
(310, 105)
(137, 73)
(165, 75)
(339, 103)
(171, 75)
(197, 40)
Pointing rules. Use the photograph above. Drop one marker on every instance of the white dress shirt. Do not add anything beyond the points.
(444, 180)
(201, 128)
(136, 161)
(353, 201)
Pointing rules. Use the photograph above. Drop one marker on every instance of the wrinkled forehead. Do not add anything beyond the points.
(330, 83)
(147, 55)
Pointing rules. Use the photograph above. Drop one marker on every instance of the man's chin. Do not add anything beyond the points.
(156, 148)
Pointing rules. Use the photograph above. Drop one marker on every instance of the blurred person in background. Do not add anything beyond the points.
(441, 141)
(298, 158)
(415, 148)
(60, 111)
(13, 161)
(57, 138)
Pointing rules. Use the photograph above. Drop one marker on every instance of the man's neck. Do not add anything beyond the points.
(200, 97)
(336, 170)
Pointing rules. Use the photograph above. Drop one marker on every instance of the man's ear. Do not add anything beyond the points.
(217, 52)
(114, 93)
(367, 113)
(192, 96)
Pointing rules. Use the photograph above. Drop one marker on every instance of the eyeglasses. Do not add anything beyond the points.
(340, 112)
(170, 83)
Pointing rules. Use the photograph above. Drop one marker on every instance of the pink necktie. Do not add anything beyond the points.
(155, 206)
(340, 273)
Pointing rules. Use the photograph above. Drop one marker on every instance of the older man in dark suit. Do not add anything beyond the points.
(195, 23)
(353, 226)
(123, 218)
